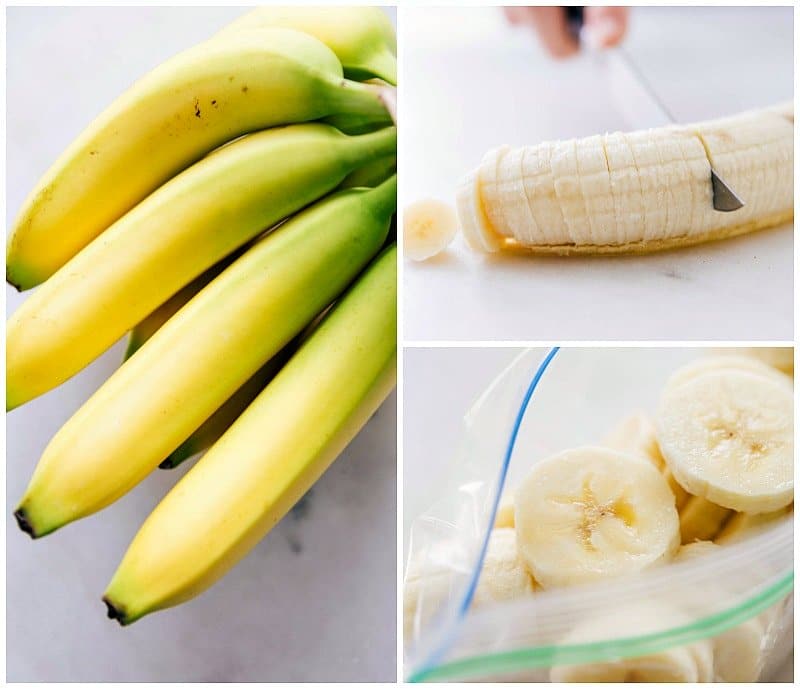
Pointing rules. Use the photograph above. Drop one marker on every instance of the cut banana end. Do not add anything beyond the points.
(593, 513)
(428, 228)
(504, 575)
(701, 520)
(474, 224)
(727, 436)
(693, 663)
(636, 434)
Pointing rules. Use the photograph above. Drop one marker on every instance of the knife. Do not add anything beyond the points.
(627, 79)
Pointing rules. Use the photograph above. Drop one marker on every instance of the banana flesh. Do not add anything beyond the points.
(593, 513)
(280, 446)
(504, 575)
(169, 239)
(629, 193)
(361, 37)
(504, 519)
(185, 108)
(428, 228)
(157, 398)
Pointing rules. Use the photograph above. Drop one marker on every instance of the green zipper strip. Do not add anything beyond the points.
(546, 656)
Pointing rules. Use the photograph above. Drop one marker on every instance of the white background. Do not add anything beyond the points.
(325, 613)
(471, 83)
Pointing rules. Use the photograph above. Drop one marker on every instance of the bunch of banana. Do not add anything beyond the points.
(631, 193)
(257, 280)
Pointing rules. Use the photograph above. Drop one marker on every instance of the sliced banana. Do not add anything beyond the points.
(636, 434)
(692, 663)
(727, 436)
(593, 513)
(505, 512)
(428, 228)
(724, 362)
(781, 358)
(742, 525)
(690, 551)
(701, 519)
(504, 575)
(427, 587)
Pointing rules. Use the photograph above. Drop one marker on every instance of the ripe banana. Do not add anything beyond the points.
(361, 37)
(504, 575)
(692, 663)
(179, 231)
(280, 446)
(701, 519)
(636, 435)
(742, 525)
(194, 102)
(428, 228)
(725, 362)
(593, 513)
(157, 398)
(630, 193)
(727, 436)
(504, 519)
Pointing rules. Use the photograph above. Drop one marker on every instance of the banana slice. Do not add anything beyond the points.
(725, 362)
(593, 513)
(636, 435)
(742, 525)
(427, 586)
(504, 575)
(693, 663)
(727, 436)
(701, 519)
(781, 358)
(737, 652)
(505, 512)
(428, 228)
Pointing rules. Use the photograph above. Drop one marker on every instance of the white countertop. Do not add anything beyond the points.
(316, 600)
(478, 83)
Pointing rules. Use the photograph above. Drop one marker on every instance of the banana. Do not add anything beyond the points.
(727, 436)
(279, 447)
(194, 102)
(504, 519)
(157, 398)
(742, 525)
(737, 651)
(371, 174)
(692, 663)
(636, 435)
(428, 228)
(781, 358)
(169, 239)
(725, 362)
(631, 193)
(592, 513)
(701, 519)
(504, 575)
(361, 37)
(427, 585)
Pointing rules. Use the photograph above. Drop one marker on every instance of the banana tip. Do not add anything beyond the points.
(24, 522)
(115, 612)
(11, 282)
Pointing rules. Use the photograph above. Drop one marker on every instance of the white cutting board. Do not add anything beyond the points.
(470, 83)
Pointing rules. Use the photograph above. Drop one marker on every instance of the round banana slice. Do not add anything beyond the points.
(701, 519)
(428, 228)
(742, 525)
(781, 358)
(593, 513)
(504, 519)
(692, 663)
(724, 362)
(504, 575)
(636, 434)
(690, 551)
(727, 436)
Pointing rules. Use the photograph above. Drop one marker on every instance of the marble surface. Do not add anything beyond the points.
(480, 84)
(316, 600)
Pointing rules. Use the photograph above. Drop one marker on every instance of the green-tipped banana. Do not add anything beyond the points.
(362, 37)
(372, 174)
(203, 354)
(169, 239)
(270, 457)
(191, 104)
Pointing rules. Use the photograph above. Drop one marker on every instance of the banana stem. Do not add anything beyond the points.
(362, 99)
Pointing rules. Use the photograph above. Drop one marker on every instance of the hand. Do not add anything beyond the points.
(607, 24)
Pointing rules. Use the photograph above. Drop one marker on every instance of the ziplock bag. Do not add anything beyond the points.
(722, 617)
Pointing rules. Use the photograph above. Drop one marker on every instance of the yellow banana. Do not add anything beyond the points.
(170, 238)
(362, 37)
(194, 102)
(203, 354)
(279, 447)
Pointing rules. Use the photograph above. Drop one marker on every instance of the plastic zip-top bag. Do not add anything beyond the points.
(718, 611)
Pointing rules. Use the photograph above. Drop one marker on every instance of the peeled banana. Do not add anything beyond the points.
(630, 193)
(279, 447)
(504, 575)
(428, 228)
(593, 513)
(186, 107)
(179, 231)
(361, 37)
(202, 355)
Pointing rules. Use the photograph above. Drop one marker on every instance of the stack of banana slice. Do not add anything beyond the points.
(715, 466)
(233, 211)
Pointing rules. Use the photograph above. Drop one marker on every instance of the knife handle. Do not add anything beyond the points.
(574, 16)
